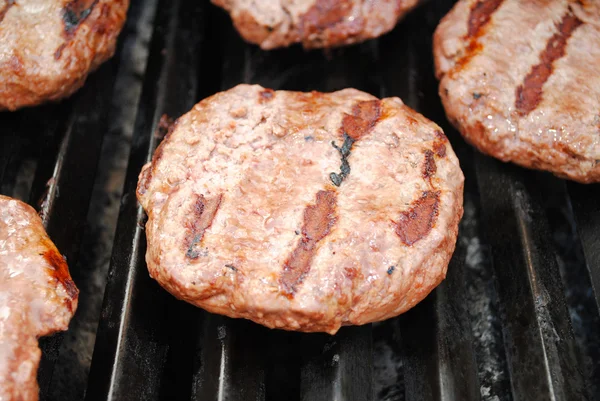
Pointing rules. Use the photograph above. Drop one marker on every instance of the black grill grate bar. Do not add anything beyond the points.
(435, 337)
(65, 204)
(132, 342)
(586, 206)
(456, 366)
(338, 367)
(230, 362)
(537, 329)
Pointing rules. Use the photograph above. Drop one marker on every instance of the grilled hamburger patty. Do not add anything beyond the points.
(520, 79)
(314, 23)
(48, 47)
(301, 211)
(37, 297)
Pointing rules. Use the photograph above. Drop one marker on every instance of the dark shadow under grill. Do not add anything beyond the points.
(516, 318)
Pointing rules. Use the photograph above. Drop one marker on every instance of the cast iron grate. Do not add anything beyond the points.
(518, 322)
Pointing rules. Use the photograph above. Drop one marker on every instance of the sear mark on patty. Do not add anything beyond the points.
(202, 214)
(345, 166)
(429, 166)
(60, 271)
(5, 8)
(364, 116)
(529, 93)
(324, 14)
(318, 221)
(481, 13)
(479, 18)
(75, 12)
(415, 223)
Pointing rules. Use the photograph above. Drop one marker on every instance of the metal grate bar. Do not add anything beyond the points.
(438, 356)
(537, 330)
(64, 205)
(338, 367)
(436, 342)
(586, 206)
(132, 344)
(230, 361)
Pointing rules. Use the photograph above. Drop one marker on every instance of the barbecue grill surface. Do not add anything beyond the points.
(516, 318)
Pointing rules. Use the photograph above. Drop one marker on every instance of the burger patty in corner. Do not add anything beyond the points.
(520, 80)
(301, 211)
(37, 297)
(48, 47)
(314, 23)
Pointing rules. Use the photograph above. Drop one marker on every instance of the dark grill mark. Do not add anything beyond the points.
(362, 120)
(429, 167)
(318, 221)
(60, 271)
(75, 12)
(201, 218)
(266, 95)
(529, 93)
(415, 223)
(479, 18)
(5, 8)
(345, 166)
(481, 13)
(325, 14)
(354, 126)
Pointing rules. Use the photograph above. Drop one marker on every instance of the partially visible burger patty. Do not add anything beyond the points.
(520, 79)
(37, 297)
(301, 211)
(314, 23)
(48, 47)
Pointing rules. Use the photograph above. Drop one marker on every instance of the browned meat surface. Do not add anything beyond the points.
(520, 79)
(314, 23)
(302, 211)
(48, 47)
(37, 297)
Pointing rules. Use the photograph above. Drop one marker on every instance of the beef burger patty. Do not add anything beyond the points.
(301, 211)
(314, 23)
(48, 47)
(520, 79)
(37, 297)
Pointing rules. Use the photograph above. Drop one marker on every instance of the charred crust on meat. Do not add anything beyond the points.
(319, 219)
(202, 215)
(429, 166)
(266, 95)
(344, 151)
(439, 144)
(439, 148)
(391, 269)
(415, 223)
(76, 12)
(529, 93)
(324, 15)
(481, 13)
(60, 271)
(364, 116)
(5, 8)
(479, 17)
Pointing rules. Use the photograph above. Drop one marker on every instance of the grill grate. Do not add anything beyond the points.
(502, 326)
